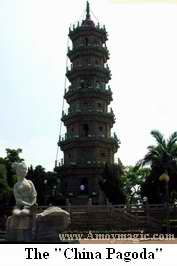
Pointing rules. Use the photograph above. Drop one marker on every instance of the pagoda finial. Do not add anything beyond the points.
(88, 10)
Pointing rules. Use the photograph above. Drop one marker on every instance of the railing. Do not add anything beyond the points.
(73, 71)
(88, 66)
(82, 46)
(75, 136)
(80, 163)
(97, 110)
(85, 163)
(97, 87)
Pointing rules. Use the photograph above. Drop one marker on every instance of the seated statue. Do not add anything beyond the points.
(25, 224)
(24, 190)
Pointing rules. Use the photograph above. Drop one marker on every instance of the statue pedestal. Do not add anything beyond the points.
(20, 227)
(42, 227)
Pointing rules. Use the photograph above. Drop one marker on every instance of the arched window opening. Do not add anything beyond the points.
(103, 155)
(84, 186)
(86, 41)
(101, 129)
(86, 130)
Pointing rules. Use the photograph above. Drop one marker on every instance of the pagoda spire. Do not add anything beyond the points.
(88, 10)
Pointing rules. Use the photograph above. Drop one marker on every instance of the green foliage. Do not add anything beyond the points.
(5, 192)
(45, 183)
(3, 171)
(38, 175)
(164, 154)
(7, 176)
(111, 184)
(11, 157)
(132, 179)
(162, 158)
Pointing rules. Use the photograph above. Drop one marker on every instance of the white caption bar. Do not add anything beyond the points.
(117, 254)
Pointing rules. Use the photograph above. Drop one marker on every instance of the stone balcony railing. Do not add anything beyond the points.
(88, 66)
(97, 87)
(88, 111)
(81, 48)
(83, 163)
(90, 69)
(91, 137)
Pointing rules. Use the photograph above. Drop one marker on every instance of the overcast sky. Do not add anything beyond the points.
(33, 43)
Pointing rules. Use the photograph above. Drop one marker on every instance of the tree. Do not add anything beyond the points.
(38, 177)
(11, 157)
(133, 179)
(3, 171)
(7, 176)
(46, 183)
(162, 158)
(5, 192)
(111, 184)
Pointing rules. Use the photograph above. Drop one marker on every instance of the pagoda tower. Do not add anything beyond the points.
(88, 143)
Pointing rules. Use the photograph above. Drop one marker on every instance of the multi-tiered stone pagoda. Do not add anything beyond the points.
(88, 143)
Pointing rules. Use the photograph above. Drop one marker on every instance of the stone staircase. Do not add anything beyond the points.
(121, 219)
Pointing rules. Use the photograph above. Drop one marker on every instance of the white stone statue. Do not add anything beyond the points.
(24, 190)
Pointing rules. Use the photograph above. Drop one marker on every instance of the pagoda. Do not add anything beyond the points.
(88, 143)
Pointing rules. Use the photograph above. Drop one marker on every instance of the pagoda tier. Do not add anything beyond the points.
(93, 49)
(83, 91)
(87, 71)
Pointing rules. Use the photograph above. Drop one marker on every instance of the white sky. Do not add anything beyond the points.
(143, 48)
